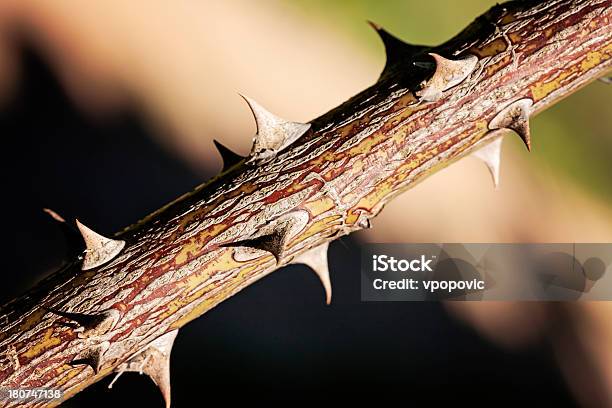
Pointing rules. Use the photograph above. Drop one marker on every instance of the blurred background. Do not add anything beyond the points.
(108, 110)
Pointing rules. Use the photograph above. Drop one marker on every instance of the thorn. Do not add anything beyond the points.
(92, 356)
(490, 154)
(93, 324)
(516, 117)
(273, 133)
(316, 259)
(229, 157)
(396, 50)
(153, 361)
(74, 242)
(448, 74)
(159, 367)
(100, 249)
(273, 242)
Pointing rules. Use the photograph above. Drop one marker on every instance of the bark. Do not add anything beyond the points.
(189, 256)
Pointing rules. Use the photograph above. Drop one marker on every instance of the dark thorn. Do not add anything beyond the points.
(396, 49)
(72, 236)
(92, 357)
(100, 322)
(86, 361)
(273, 242)
(229, 157)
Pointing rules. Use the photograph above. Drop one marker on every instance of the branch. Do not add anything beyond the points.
(118, 305)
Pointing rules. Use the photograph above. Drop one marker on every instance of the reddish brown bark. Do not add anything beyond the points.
(329, 183)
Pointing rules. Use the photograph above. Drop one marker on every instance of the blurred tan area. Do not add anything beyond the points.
(183, 62)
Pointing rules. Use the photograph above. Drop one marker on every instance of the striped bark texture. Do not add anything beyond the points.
(204, 247)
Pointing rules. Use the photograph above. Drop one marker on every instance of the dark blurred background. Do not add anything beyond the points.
(107, 113)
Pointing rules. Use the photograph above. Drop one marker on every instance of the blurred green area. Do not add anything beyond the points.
(573, 138)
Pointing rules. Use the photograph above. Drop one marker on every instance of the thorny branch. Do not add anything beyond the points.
(118, 305)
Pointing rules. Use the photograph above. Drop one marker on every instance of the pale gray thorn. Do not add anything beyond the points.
(154, 361)
(515, 116)
(316, 259)
(273, 133)
(448, 73)
(491, 156)
(99, 249)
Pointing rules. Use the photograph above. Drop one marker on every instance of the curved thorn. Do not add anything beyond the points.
(273, 133)
(74, 243)
(229, 157)
(515, 116)
(274, 242)
(396, 50)
(94, 323)
(159, 367)
(448, 73)
(491, 156)
(316, 259)
(100, 249)
(154, 361)
(92, 356)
